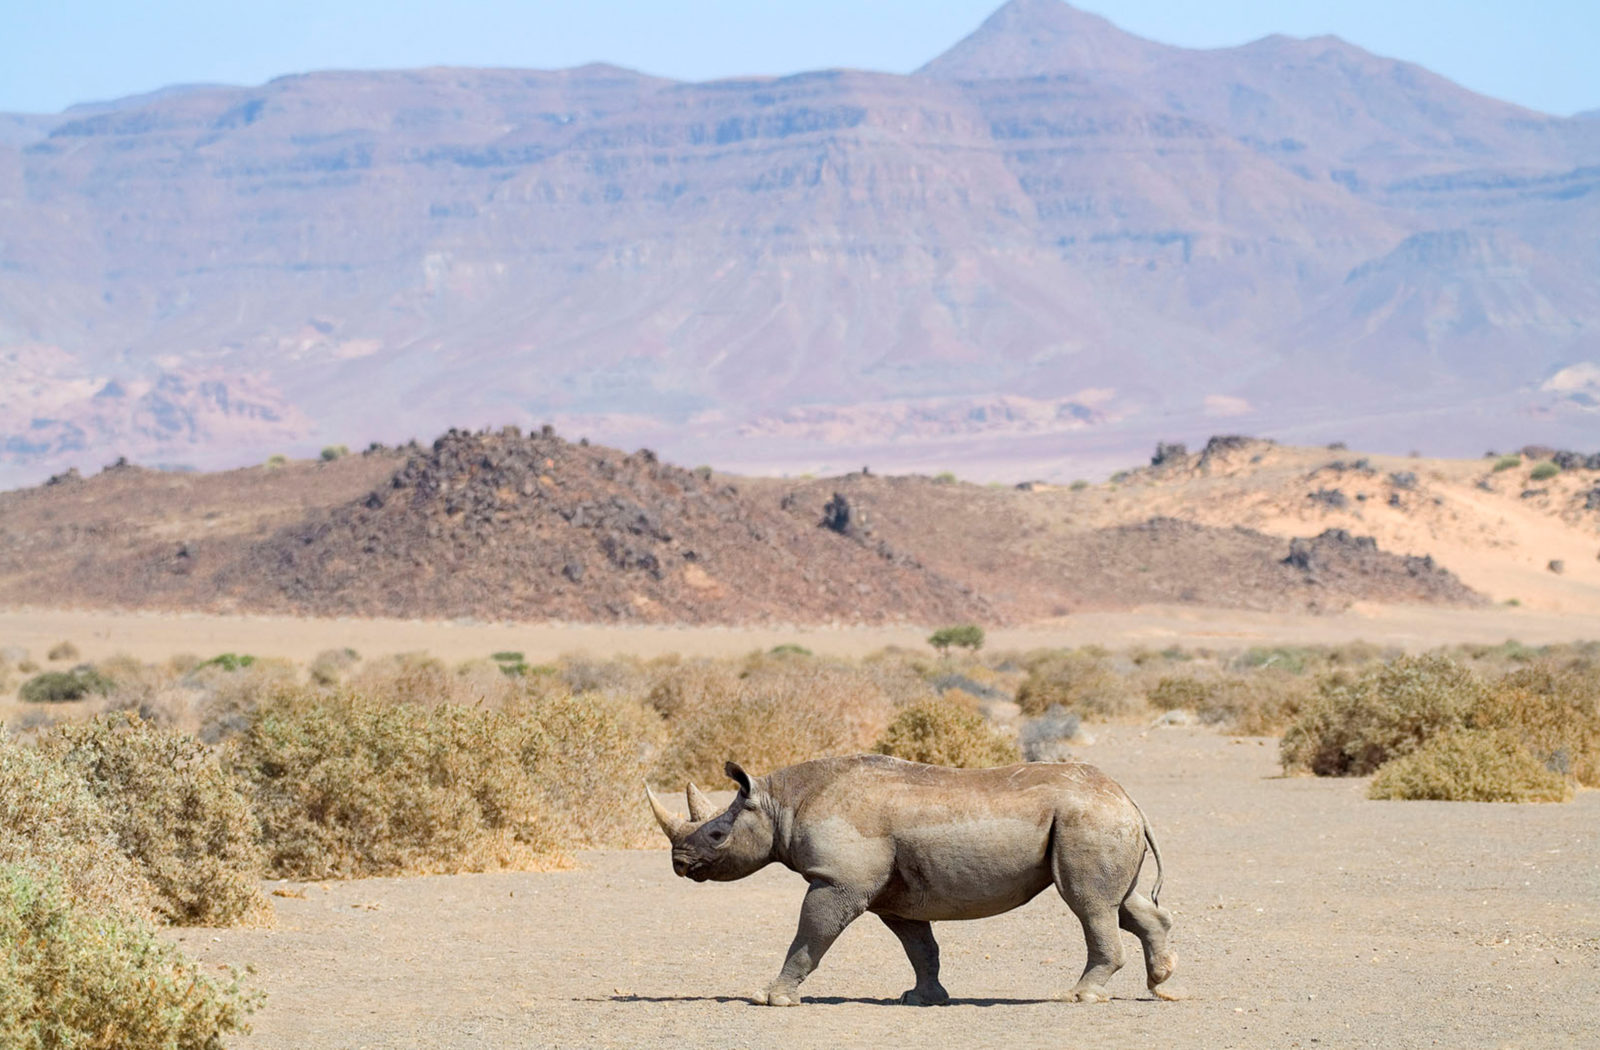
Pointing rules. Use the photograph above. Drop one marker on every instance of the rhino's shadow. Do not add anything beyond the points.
(819, 1000)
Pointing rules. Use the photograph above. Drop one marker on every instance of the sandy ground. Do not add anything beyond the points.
(1307, 916)
(157, 636)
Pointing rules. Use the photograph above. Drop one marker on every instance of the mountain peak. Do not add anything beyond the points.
(1029, 38)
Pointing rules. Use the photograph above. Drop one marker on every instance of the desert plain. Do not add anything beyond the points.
(1307, 916)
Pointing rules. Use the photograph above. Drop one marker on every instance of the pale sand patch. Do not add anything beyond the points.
(156, 636)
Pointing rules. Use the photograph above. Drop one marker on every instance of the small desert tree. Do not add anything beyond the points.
(962, 636)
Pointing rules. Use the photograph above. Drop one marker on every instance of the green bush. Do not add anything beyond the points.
(54, 687)
(1544, 471)
(944, 733)
(788, 649)
(73, 977)
(229, 661)
(1470, 765)
(333, 452)
(347, 786)
(1356, 723)
(1511, 462)
(182, 818)
(962, 636)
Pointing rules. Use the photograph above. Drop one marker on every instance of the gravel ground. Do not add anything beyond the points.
(1307, 916)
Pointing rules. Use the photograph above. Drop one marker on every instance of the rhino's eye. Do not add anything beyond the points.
(717, 835)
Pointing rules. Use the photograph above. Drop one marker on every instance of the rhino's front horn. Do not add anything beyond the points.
(700, 807)
(670, 823)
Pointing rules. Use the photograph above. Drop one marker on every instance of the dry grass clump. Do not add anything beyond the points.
(945, 733)
(73, 976)
(62, 651)
(179, 815)
(1554, 711)
(1083, 681)
(1470, 765)
(52, 825)
(1356, 723)
(348, 786)
(777, 716)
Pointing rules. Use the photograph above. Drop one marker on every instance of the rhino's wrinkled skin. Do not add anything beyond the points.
(917, 844)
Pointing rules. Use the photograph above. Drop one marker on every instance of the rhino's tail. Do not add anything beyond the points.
(1155, 851)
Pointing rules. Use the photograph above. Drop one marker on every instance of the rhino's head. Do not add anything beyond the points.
(721, 847)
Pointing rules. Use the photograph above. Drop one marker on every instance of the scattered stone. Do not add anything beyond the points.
(1557, 566)
(1331, 498)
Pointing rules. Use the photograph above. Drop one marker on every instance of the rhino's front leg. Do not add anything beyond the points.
(916, 937)
(827, 910)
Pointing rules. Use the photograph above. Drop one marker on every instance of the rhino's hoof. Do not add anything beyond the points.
(783, 997)
(1088, 995)
(925, 997)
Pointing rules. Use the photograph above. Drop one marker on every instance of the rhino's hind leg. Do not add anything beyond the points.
(824, 914)
(1104, 938)
(916, 937)
(1150, 923)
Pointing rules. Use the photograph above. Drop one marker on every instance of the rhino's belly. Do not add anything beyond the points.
(966, 871)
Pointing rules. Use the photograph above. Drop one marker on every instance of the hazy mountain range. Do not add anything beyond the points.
(1049, 246)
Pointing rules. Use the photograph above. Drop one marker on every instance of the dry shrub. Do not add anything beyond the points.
(329, 666)
(179, 815)
(1049, 737)
(1554, 711)
(76, 977)
(698, 684)
(1256, 704)
(1181, 692)
(51, 824)
(620, 676)
(346, 786)
(1356, 723)
(945, 733)
(224, 702)
(587, 756)
(1083, 681)
(1470, 765)
(62, 651)
(776, 717)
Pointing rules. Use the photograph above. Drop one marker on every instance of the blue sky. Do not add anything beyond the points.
(1540, 53)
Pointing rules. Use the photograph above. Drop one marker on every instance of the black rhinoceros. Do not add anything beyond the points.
(916, 844)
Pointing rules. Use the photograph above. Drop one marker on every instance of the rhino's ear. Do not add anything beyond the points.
(740, 777)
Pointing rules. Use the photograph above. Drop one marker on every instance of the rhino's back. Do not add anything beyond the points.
(880, 794)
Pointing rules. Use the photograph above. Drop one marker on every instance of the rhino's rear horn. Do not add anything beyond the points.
(700, 807)
(673, 825)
